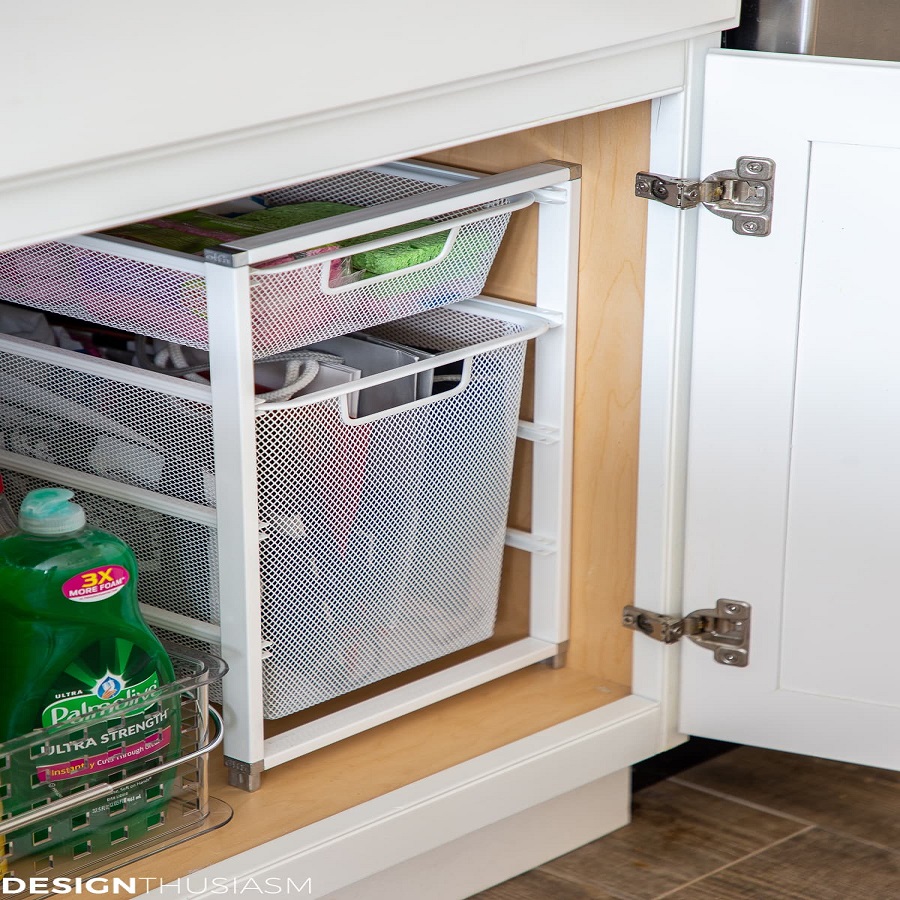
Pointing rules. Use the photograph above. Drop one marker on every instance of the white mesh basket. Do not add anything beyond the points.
(382, 536)
(163, 294)
(65, 409)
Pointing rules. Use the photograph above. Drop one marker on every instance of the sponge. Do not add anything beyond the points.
(401, 256)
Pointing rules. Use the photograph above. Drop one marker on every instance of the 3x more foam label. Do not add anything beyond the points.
(96, 584)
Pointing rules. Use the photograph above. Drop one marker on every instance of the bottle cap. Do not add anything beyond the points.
(47, 511)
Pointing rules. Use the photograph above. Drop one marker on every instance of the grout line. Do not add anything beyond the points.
(859, 840)
(749, 803)
(777, 812)
(856, 839)
(734, 862)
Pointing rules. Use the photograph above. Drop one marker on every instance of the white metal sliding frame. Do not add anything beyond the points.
(237, 508)
(555, 187)
(554, 412)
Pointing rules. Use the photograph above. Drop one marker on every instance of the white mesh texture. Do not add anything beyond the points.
(384, 541)
(288, 309)
(98, 425)
(361, 188)
(108, 290)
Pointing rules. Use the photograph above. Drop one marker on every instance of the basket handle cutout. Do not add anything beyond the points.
(465, 379)
(516, 202)
(327, 287)
(529, 324)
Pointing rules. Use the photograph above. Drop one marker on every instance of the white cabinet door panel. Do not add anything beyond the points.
(842, 565)
(793, 489)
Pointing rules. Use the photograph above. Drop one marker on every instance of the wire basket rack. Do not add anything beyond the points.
(164, 293)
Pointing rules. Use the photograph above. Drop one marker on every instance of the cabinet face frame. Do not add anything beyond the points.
(601, 741)
(462, 785)
(665, 386)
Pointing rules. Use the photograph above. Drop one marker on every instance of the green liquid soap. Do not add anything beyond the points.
(73, 642)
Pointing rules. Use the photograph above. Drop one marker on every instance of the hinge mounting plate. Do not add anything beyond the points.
(743, 194)
(725, 630)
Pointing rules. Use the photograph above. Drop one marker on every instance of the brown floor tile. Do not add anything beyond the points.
(539, 885)
(677, 834)
(816, 865)
(853, 800)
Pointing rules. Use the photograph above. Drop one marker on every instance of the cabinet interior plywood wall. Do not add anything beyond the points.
(611, 146)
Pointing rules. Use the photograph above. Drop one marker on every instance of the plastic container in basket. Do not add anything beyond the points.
(46, 825)
(382, 536)
(163, 293)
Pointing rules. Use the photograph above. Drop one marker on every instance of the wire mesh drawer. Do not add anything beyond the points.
(58, 825)
(163, 294)
(106, 420)
(384, 535)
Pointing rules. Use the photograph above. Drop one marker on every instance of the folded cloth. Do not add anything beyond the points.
(194, 231)
(377, 262)
(274, 217)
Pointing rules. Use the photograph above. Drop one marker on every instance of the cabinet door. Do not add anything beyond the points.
(793, 487)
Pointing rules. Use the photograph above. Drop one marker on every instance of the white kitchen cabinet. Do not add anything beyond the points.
(792, 491)
(721, 495)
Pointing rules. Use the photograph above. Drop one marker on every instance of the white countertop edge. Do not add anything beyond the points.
(88, 197)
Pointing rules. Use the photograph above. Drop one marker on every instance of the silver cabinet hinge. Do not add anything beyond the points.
(742, 194)
(725, 630)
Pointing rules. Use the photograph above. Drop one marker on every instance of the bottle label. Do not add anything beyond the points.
(108, 760)
(96, 584)
(109, 688)
(111, 671)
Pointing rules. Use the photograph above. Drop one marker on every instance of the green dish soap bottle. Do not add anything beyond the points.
(74, 642)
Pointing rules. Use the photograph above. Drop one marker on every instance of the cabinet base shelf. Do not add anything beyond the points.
(377, 710)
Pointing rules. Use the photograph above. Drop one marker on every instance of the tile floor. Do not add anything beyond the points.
(746, 823)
